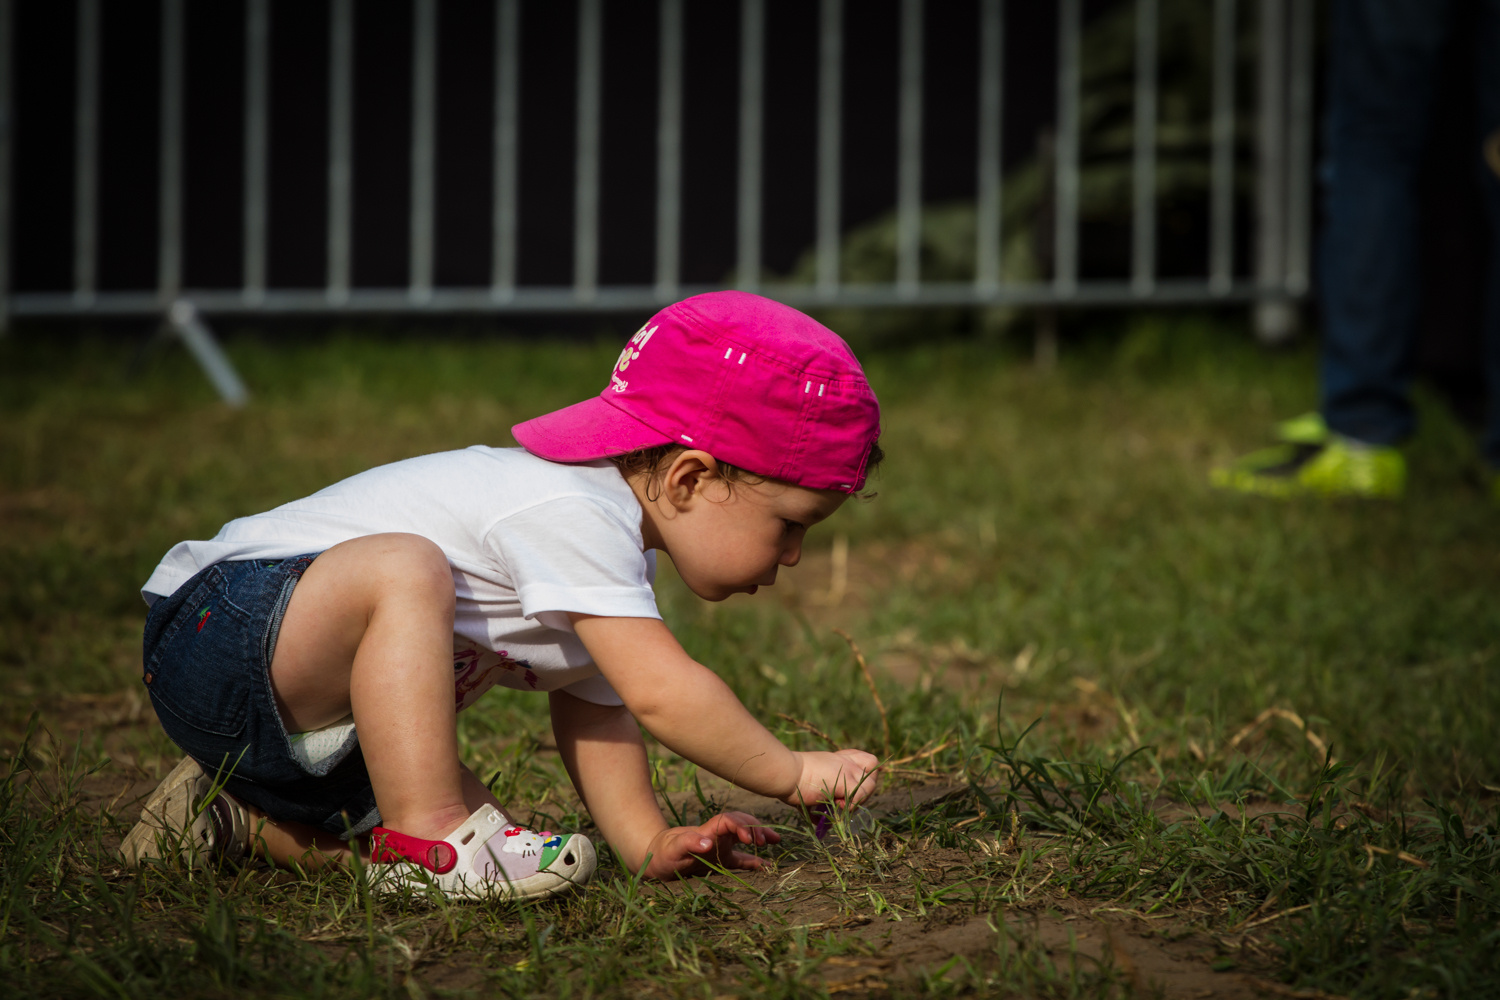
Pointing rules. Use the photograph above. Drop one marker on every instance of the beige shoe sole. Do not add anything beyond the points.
(172, 824)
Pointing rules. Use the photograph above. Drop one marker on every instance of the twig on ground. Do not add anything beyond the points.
(865, 983)
(859, 658)
(1273, 917)
(918, 756)
(971, 819)
(1280, 713)
(1131, 913)
(809, 727)
(1371, 850)
(853, 920)
(1265, 905)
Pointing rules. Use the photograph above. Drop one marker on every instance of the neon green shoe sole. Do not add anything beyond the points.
(1306, 429)
(1338, 468)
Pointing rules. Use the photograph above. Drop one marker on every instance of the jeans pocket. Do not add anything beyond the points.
(200, 669)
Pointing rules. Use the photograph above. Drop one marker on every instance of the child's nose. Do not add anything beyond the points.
(792, 554)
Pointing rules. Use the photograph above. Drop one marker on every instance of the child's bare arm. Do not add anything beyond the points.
(694, 713)
(602, 750)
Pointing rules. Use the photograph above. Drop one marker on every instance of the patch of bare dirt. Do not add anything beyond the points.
(1156, 954)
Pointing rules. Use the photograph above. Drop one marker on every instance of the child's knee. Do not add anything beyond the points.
(416, 567)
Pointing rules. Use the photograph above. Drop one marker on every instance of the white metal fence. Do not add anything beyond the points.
(1282, 183)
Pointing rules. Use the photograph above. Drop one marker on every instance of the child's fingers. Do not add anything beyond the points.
(742, 826)
(751, 830)
(722, 825)
(739, 859)
(720, 837)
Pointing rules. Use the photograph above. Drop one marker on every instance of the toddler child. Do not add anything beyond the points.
(310, 660)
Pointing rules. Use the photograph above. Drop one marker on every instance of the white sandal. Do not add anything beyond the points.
(487, 857)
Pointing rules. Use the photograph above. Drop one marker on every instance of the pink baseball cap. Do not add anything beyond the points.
(750, 381)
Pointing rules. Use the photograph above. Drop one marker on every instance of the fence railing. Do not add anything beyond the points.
(1282, 200)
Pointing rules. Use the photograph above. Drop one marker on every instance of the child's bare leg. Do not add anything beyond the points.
(369, 629)
(297, 843)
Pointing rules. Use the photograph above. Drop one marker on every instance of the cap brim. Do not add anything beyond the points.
(586, 431)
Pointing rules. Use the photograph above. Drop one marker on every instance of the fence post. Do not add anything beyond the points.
(507, 121)
(423, 148)
(1299, 152)
(257, 97)
(1065, 219)
(669, 154)
(340, 148)
(909, 172)
(1143, 210)
(586, 176)
(1221, 210)
(830, 143)
(86, 154)
(169, 177)
(5, 151)
(987, 213)
(1275, 316)
(752, 114)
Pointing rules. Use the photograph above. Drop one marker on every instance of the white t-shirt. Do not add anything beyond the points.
(528, 540)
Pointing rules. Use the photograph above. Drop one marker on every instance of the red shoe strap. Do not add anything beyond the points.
(436, 856)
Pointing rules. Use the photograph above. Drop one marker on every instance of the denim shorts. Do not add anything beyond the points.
(207, 667)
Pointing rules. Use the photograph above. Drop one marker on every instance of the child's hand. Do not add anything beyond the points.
(682, 850)
(844, 777)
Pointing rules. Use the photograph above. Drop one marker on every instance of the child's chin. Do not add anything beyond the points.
(719, 595)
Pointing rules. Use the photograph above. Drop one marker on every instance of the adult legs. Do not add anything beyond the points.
(1383, 69)
(1487, 88)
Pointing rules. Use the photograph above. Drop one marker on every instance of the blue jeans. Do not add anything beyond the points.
(1383, 73)
(207, 667)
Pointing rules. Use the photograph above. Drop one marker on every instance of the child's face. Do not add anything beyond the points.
(732, 539)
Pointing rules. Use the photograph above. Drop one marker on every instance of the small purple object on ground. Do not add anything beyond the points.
(822, 823)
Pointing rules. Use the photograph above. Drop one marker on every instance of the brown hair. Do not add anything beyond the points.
(650, 461)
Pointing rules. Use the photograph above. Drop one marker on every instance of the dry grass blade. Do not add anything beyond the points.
(864, 668)
(1266, 716)
(919, 756)
(838, 582)
(1371, 850)
(971, 819)
(809, 727)
(853, 920)
(868, 983)
(1271, 919)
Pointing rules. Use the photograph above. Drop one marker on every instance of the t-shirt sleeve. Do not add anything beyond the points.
(575, 554)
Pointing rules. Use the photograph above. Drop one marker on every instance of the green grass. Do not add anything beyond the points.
(1044, 547)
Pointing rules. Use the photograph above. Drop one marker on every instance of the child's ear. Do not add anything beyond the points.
(687, 476)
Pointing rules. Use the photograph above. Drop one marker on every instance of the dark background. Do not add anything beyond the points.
(214, 129)
(1454, 240)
